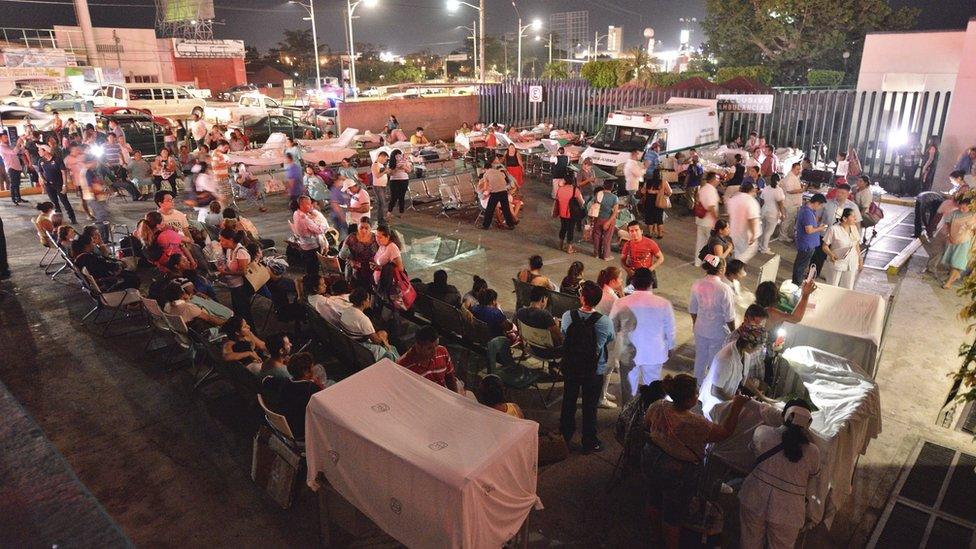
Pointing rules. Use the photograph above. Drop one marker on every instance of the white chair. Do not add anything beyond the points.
(119, 302)
(157, 322)
(279, 425)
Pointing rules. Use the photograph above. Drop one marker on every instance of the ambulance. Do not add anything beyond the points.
(680, 124)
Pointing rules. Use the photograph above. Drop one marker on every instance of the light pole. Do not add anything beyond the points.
(350, 9)
(535, 25)
(596, 43)
(549, 44)
(454, 5)
(315, 41)
(474, 46)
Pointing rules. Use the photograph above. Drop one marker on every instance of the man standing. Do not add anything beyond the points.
(51, 169)
(793, 189)
(808, 234)
(112, 160)
(652, 159)
(221, 171)
(198, 129)
(358, 204)
(633, 176)
(605, 224)
(639, 252)
(645, 328)
(293, 178)
(834, 207)
(586, 336)
(744, 224)
(11, 160)
(708, 200)
(770, 163)
(495, 184)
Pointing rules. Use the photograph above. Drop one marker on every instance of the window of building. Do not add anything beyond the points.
(142, 79)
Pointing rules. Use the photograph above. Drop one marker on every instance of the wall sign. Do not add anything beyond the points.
(745, 103)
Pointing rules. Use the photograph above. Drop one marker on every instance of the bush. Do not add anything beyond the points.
(601, 74)
(662, 79)
(824, 79)
(754, 72)
(693, 74)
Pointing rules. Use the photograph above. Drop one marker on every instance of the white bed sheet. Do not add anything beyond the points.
(849, 417)
(428, 466)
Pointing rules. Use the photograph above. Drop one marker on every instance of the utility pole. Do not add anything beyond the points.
(481, 41)
(118, 49)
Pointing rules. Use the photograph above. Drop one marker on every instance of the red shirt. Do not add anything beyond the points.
(640, 253)
(436, 369)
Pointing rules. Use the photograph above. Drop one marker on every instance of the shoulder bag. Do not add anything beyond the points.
(257, 275)
(663, 198)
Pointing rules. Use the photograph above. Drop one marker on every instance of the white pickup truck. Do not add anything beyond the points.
(249, 105)
(199, 93)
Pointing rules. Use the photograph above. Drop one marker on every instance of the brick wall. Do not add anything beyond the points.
(440, 116)
(216, 74)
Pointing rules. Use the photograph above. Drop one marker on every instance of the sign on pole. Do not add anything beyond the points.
(745, 103)
(535, 94)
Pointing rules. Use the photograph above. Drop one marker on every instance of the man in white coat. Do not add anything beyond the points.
(708, 198)
(744, 223)
(793, 189)
(645, 335)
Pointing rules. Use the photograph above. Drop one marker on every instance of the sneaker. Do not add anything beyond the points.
(606, 404)
(611, 397)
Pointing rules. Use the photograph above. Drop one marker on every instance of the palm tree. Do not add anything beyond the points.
(638, 66)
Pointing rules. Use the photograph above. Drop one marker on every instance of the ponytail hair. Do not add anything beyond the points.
(681, 388)
(719, 225)
(794, 436)
(607, 276)
(231, 234)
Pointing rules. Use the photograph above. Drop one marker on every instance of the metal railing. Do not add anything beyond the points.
(881, 126)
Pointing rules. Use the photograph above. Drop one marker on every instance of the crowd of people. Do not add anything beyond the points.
(208, 271)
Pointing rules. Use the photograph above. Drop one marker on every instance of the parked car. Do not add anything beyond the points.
(141, 131)
(201, 93)
(371, 91)
(167, 100)
(235, 93)
(21, 97)
(327, 119)
(259, 128)
(164, 122)
(17, 117)
(62, 102)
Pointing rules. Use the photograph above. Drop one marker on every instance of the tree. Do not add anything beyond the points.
(793, 36)
(601, 73)
(557, 70)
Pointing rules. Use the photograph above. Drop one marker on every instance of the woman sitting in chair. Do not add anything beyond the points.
(242, 345)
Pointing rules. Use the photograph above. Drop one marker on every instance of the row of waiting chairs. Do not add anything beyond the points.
(330, 341)
(453, 193)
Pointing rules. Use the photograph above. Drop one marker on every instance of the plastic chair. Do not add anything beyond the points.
(117, 302)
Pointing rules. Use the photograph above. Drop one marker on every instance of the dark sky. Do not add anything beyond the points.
(404, 26)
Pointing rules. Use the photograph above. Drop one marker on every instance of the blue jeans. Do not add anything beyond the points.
(801, 264)
(499, 350)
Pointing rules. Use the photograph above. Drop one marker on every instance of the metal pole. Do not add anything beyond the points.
(520, 49)
(352, 49)
(315, 42)
(481, 41)
(474, 45)
(550, 48)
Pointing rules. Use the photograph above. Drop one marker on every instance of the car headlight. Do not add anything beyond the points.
(35, 103)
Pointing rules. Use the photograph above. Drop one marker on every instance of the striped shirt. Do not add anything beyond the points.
(436, 369)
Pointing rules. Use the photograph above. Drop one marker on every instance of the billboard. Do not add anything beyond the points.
(22, 58)
(174, 11)
(745, 103)
(207, 49)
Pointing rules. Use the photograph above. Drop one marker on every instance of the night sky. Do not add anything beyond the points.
(403, 26)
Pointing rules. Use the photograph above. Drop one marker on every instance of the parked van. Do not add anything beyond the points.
(162, 99)
(679, 124)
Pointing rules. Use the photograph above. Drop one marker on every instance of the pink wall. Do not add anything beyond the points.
(960, 131)
(440, 116)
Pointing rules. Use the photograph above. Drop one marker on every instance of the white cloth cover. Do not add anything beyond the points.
(849, 416)
(843, 322)
(428, 466)
(331, 155)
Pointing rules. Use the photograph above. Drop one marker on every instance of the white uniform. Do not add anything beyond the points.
(713, 304)
(772, 501)
(791, 204)
(726, 372)
(707, 197)
(744, 219)
(770, 214)
(645, 333)
(842, 243)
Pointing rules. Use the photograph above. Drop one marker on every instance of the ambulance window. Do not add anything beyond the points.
(661, 137)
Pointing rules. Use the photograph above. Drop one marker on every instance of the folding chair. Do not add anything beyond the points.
(538, 344)
(157, 324)
(50, 250)
(118, 302)
(279, 426)
(449, 198)
(182, 337)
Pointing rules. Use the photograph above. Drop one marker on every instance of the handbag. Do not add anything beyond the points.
(257, 275)
(699, 210)
(662, 200)
(576, 210)
(872, 216)
(594, 209)
(406, 293)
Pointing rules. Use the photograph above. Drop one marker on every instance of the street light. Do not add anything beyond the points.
(536, 24)
(474, 36)
(350, 10)
(596, 43)
(548, 44)
(310, 7)
(454, 5)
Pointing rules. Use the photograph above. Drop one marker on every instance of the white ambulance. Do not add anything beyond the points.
(680, 124)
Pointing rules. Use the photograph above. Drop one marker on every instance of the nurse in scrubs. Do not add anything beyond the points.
(772, 501)
(727, 371)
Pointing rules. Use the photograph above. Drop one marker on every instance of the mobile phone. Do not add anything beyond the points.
(812, 273)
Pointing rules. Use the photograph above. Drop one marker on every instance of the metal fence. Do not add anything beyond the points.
(881, 126)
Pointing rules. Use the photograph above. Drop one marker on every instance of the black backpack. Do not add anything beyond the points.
(581, 352)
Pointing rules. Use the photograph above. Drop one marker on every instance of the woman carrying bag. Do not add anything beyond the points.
(568, 207)
(234, 268)
(657, 199)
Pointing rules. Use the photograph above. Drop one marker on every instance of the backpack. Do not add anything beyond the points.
(581, 352)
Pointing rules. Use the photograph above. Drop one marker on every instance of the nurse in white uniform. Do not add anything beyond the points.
(772, 501)
(728, 369)
(841, 243)
(712, 308)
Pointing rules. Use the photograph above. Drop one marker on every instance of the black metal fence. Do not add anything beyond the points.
(880, 125)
